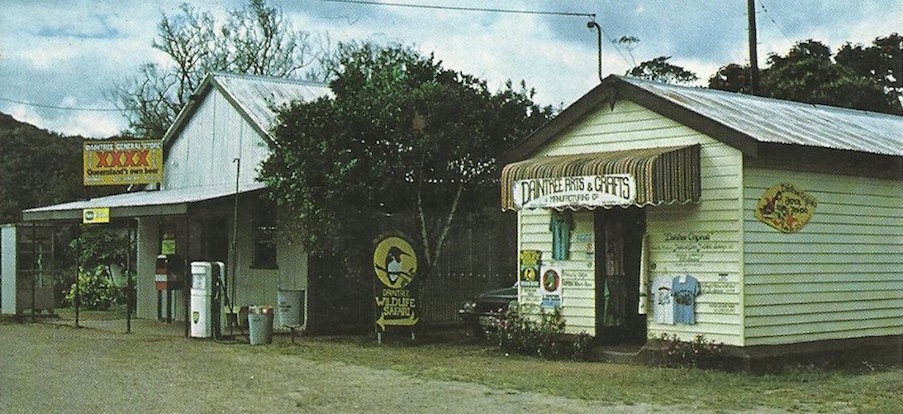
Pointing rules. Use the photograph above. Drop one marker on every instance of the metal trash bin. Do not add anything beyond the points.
(260, 325)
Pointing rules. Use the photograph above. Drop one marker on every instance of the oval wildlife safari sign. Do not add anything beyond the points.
(395, 262)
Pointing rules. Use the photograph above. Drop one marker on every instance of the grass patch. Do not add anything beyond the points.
(802, 389)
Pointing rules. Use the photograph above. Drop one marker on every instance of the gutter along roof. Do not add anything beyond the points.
(741, 121)
(174, 202)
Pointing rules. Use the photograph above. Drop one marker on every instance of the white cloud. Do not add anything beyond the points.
(68, 53)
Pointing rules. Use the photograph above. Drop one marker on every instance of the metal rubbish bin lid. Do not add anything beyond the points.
(260, 309)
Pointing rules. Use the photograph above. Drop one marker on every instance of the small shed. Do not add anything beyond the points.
(773, 227)
(26, 269)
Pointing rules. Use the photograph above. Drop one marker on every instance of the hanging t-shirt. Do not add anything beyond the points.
(560, 224)
(662, 304)
(684, 290)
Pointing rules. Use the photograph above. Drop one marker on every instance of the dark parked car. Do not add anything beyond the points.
(480, 312)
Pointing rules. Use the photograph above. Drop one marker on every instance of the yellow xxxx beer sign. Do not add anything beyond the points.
(122, 162)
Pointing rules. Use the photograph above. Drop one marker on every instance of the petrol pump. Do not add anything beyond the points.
(167, 278)
(207, 294)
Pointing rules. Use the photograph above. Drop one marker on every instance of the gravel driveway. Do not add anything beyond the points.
(47, 368)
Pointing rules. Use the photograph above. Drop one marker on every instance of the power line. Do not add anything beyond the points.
(768, 15)
(62, 108)
(460, 8)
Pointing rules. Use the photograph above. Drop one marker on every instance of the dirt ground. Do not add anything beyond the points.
(47, 368)
(51, 367)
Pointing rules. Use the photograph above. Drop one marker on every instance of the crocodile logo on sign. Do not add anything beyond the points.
(786, 208)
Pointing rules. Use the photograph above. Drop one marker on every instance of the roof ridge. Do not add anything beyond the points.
(269, 78)
(765, 99)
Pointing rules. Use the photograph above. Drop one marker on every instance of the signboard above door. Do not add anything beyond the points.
(574, 192)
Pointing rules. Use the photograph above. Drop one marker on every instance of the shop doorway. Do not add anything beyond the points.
(619, 237)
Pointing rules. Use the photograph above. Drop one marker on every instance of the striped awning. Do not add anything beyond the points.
(660, 176)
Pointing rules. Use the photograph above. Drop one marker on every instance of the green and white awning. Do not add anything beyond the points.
(649, 176)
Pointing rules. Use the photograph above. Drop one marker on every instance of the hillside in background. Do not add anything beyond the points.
(37, 167)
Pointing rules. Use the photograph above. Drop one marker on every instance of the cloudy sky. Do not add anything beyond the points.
(59, 59)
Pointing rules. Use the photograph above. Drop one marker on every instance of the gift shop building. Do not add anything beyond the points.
(770, 226)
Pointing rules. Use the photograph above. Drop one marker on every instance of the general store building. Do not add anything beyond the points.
(210, 196)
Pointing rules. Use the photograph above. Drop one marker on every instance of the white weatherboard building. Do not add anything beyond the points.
(211, 158)
(773, 227)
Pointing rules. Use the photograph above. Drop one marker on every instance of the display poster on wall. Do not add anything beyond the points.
(786, 208)
(530, 262)
(122, 162)
(550, 288)
(588, 190)
(395, 264)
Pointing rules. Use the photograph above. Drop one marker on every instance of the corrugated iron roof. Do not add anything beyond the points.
(254, 96)
(258, 95)
(785, 122)
(140, 203)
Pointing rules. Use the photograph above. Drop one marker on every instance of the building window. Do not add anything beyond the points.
(264, 223)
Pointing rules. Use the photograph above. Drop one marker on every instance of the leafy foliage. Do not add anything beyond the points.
(28, 156)
(97, 250)
(867, 78)
(95, 289)
(401, 135)
(698, 353)
(542, 335)
(660, 70)
(255, 39)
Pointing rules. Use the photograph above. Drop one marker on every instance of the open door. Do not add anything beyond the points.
(619, 234)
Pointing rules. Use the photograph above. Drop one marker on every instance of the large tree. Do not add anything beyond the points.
(402, 135)
(857, 77)
(255, 39)
(660, 70)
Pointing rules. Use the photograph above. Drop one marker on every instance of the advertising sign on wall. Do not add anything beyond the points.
(589, 190)
(550, 288)
(530, 261)
(395, 264)
(122, 162)
(95, 215)
(786, 208)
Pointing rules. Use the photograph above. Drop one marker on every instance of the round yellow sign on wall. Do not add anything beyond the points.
(395, 262)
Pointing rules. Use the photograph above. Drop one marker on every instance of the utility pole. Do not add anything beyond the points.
(753, 55)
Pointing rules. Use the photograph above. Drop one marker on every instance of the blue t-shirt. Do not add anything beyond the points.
(684, 294)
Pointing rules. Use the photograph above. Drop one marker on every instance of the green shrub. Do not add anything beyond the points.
(698, 353)
(539, 335)
(96, 290)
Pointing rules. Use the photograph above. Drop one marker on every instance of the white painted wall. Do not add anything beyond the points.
(840, 276)
(8, 268)
(253, 286)
(204, 152)
(718, 214)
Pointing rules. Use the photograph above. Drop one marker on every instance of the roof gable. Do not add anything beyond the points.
(741, 121)
(253, 96)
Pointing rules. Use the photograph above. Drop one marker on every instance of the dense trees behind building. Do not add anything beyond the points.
(37, 168)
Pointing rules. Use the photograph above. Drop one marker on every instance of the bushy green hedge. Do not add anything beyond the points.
(540, 335)
(96, 290)
(698, 353)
